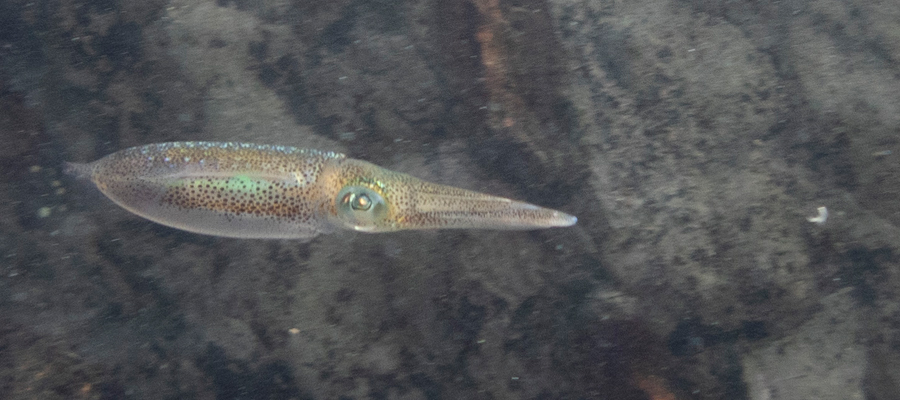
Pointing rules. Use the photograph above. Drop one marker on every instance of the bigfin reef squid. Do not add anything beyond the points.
(244, 190)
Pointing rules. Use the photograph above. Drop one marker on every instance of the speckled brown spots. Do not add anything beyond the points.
(226, 189)
(269, 200)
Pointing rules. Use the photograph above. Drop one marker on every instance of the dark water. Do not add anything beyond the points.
(693, 140)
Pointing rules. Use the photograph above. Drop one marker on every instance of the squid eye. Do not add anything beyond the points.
(361, 208)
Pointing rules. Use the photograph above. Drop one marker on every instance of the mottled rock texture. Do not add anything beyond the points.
(693, 139)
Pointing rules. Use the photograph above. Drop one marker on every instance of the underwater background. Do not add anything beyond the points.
(694, 140)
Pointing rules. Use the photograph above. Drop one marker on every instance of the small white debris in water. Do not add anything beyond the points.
(44, 212)
(293, 331)
(821, 218)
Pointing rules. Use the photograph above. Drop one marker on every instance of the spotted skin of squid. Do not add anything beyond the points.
(245, 190)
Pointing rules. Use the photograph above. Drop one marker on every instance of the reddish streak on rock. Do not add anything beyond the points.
(655, 387)
(495, 58)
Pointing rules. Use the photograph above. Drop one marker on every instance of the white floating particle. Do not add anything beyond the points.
(821, 218)
(44, 212)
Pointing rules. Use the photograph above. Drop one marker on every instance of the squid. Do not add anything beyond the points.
(244, 190)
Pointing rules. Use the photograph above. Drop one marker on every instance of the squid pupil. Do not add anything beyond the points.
(361, 202)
